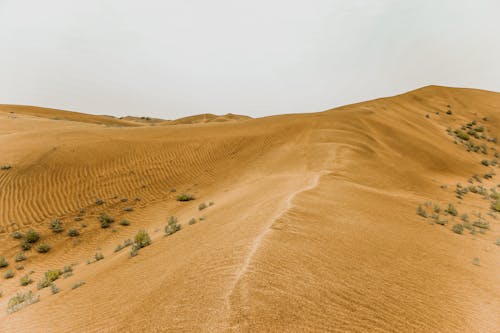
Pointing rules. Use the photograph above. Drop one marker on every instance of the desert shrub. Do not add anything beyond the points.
(202, 206)
(142, 239)
(123, 199)
(192, 221)
(56, 226)
(20, 257)
(464, 217)
(437, 209)
(105, 220)
(185, 197)
(172, 226)
(49, 277)
(5, 167)
(77, 284)
(98, 256)
(78, 218)
(3, 262)
(67, 269)
(19, 267)
(21, 300)
(26, 246)
(211, 203)
(128, 242)
(9, 274)
(497, 242)
(17, 235)
(451, 210)
(462, 135)
(458, 228)
(99, 202)
(125, 222)
(73, 233)
(128, 209)
(134, 251)
(485, 162)
(481, 224)
(475, 261)
(54, 289)
(421, 211)
(43, 248)
(32, 236)
(25, 280)
(118, 248)
(496, 206)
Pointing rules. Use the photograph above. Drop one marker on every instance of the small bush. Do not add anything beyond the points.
(17, 235)
(123, 199)
(142, 239)
(43, 248)
(475, 261)
(485, 162)
(20, 257)
(481, 224)
(99, 202)
(3, 262)
(67, 269)
(5, 167)
(98, 256)
(458, 228)
(134, 251)
(105, 220)
(421, 211)
(172, 226)
(496, 206)
(451, 210)
(54, 289)
(128, 242)
(128, 209)
(73, 233)
(202, 206)
(26, 246)
(118, 248)
(9, 274)
(50, 276)
(32, 236)
(25, 280)
(77, 284)
(56, 226)
(21, 300)
(192, 221)
(125, 222)
(185, 197)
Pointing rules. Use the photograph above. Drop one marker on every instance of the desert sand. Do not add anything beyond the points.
(313, 225)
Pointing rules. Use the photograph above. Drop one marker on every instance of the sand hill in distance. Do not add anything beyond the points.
(381, 216)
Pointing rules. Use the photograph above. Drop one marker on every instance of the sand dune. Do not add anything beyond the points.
(312, 227)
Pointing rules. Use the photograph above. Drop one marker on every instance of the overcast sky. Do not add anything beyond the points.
(172, 58)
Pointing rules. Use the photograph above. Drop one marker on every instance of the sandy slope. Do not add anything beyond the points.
(313, 226)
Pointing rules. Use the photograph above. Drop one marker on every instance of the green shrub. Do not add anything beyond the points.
(127, 242)
(105, 220)
(125, 222)
(421, 211)
(77, 284)
(118, 248)
(3, 262)
(54, 289)
(21, 300)
(56, 226)
(73, 233)
(98, 256)
(192, 221)
(458, 228)
(481, 224)
(9, 274)
(26, 246)
(134, 251)
(43, 248)
(5, 167)
(451, 210)
(485, 162)
(25, 280)
(32, 236)
(20, 257)
(462, 135)
(172, 226)
(17, 235)
(185, 197)
(496, 206)
(202, 206)
(142, 239)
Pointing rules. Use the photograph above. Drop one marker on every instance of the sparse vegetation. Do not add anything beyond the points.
(105, 220)
(185, 197)
(142, 239)
(172, 226)
(98, 256)
(202, 206)
(56, 226)
(54, 289)
(496, 206)
(43, 248)
(73, 233)
(32, 236)
(26, 246)
(49, 277)
(451, 210)
(77, 284)
(17, 235)
(20, 257)
(99, 202)
(128, 209)
(3, 262)
(5, 167)
(476, 261)
(26, 280)
(192, 221)
(21, 300)
(125, 222)
(9, 274)
(421, 211)
(458, 228)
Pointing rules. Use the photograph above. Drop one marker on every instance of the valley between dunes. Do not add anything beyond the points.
(312, 228)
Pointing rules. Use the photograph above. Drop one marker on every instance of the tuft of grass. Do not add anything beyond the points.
(32, 236)
(134, 251)
(25, 246)
(49, 277)
(421, 211)
(118, 248)
(20, 257)
(128, 209)
(172, 227)
(26, 280)
(56, 226)
(481, 224)
(77, 284)
(54, 289)
(185, 197)
(123, 199)
(142, 239)
(451, 210)
(3, 262)
(105, 220)
(192, 221)
(6, 167)
(475, 261)
(458, 228)
(202, 206)
(21, 300)
(9, 274)
(73, 233)
(98, 256)
(99, 202)
(43, 248)
(496, 206)
(125, 222)
(17, 235)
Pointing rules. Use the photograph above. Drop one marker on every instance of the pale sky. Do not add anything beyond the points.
(173, 58)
